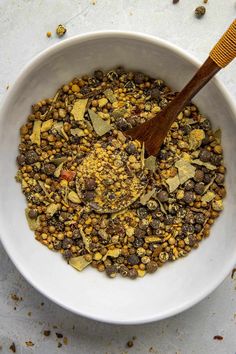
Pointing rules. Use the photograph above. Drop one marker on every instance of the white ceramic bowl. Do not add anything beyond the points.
(177, 286)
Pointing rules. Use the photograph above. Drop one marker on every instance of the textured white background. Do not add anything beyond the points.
(23, 25)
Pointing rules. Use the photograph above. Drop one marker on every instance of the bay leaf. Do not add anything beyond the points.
(110, 95)
(173, 183)
(86, 240)
(33, 223)
(142, 159)
(58, 170)
(47, 125)
(77, 132)
(195, 138)
(150, 163)
(208, 197)
(206, 164)
(52, 209)
(118, 113)
(217, 134)
(35, 136)
(185, 170)
(78, 109)
(115, 253)
(79, 263)
(100, 126)
(146, 197)
(57, 161)
(73, 197)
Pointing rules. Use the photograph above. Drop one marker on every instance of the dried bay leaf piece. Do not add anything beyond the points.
(150, 163)
(185, 170)
(33, 223)
(47, 125)
(118, 113)
(59, 160)
(52, 209)
(58, 170)
(142, 159)
(208, 197)
(206, 164)
(173, 183)
(161, 206)
(86, 240)
(115, 253)
(35, 136)
(77, 132)
(79, 263)
(217, 134)
(79, 108)
(100, 126)
(195, 138)
(110, 95)
(73, 197)
(146, 197)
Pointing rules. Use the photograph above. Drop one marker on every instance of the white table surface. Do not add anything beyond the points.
(23, 27)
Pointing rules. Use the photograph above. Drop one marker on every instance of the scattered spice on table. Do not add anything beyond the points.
(16, 298)
(29, 313)
(65, 340)
(233, 272)
(47, 333)
(13, 347)
(59, 345)
(92, 193)
(205, 1)
(217, 337)
(200, 11)
(175, 2)
(61, 30)
(59, 335)
(130, 344)
(49, 34)
(29, 343)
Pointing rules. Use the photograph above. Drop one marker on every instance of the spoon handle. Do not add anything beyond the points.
(225, 49)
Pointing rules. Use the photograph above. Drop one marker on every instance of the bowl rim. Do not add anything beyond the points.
(132, 35)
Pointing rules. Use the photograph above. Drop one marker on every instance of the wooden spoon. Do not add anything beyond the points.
(154, 131)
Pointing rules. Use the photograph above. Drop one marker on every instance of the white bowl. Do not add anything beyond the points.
(177, 286)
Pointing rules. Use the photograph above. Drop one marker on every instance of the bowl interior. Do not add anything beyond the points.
(176, 286)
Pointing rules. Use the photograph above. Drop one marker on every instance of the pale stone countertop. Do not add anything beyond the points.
(23, 27)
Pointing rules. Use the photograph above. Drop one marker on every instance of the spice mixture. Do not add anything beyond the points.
(95, 197)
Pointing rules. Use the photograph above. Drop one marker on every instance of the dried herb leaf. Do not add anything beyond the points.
(77, 132)
(150, 239)
(78, 109)
(47, 125)
(110, 95)
(185, 170)
(59, 160)
(173, 183)
(118, 113)
(35, 136)
(86, 239)
(146, 197)
(24, 184)
(161, 206)
(100, 126)
(114, 215)
(142, 156)
(206, 164)
(52, 209)
(116, 252)
(79, 262)
(33, 223)
(57, 127)
(58, 170)
(195, 138)
(191, 121)
(150, 163)
(217, 135)
(209, 184)
(73, 197)
(208, 197)
(64, 134)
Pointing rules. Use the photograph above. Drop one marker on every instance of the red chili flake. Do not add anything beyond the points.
(218, 337)
(232, 274)
(67, 175)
